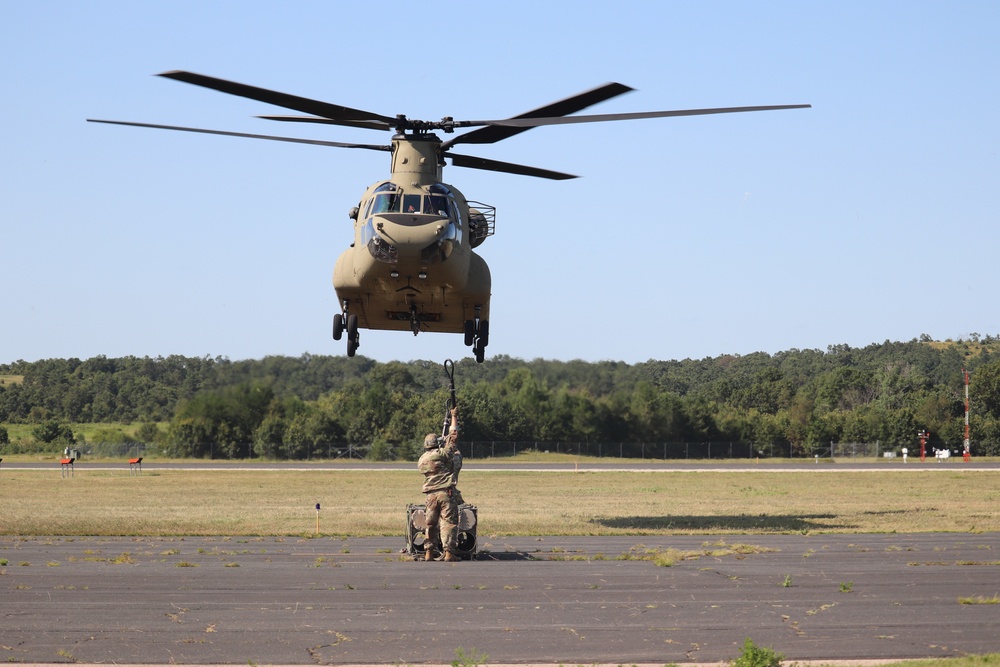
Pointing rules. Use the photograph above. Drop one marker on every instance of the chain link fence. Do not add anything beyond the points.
(622, 450)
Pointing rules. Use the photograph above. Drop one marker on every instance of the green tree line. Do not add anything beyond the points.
(794, 402)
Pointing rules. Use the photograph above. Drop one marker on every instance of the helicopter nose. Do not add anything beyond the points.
(411, 230)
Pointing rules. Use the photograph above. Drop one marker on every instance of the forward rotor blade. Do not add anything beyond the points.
(305, 105)
(368, 125)
(600, 118)
(505, 167)
(315, 142)
(492, 133)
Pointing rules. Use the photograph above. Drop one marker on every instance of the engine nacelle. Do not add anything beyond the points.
(482, 222)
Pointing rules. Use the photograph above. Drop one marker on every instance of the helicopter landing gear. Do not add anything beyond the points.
(353, 337)
(470, 332)
(477, 336)
(338, 326)
(344, 321)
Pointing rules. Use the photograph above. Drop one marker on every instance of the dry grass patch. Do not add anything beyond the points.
(240, 501)
(980, 599)
(986, 660)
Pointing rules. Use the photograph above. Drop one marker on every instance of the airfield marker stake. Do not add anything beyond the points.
(317, 519)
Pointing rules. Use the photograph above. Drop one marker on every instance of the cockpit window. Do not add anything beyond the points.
(386, 203)
(436, 204)
(411, 203)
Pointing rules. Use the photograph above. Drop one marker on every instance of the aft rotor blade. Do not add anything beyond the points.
(368, 125)
(505, 167)
(600, 118)
(493, 133)
(303, 104)
(315, 142)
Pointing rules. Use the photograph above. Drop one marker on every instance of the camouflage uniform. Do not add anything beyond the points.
(456, 463)
(441, 513)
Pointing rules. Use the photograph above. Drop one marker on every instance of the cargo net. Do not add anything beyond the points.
(468, 522)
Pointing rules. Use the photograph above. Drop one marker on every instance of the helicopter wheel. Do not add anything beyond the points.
(338, 326)
(470, 332)
(353, 338)
(484, 333)
(479, 352)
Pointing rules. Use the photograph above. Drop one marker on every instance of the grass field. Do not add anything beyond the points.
(371, 503)
(86, 429)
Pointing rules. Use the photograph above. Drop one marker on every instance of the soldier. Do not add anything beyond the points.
(437, 464)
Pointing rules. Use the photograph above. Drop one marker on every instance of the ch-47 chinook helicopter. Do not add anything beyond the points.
(412, 265)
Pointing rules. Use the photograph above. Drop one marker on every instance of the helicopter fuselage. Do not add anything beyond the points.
(411, 266)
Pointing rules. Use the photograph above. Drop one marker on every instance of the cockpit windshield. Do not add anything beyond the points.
(436, 204)
(388, 198)
(386, 203)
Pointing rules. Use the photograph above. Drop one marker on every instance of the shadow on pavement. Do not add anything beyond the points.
(774, 523)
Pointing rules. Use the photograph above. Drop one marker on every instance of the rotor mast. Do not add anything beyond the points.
(416, 157)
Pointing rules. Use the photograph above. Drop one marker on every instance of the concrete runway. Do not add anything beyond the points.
(552, 600)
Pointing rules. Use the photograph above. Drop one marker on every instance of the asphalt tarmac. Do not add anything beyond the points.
(525, 600)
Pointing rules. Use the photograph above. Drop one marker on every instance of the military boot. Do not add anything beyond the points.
(449, 556)
(428, 554)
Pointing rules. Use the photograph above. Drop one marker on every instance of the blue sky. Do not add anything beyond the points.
(870, 217)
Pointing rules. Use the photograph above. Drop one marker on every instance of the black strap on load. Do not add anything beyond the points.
(449, 370)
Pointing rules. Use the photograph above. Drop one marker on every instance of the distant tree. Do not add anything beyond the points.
(221, 423)
(53, 432)
(4, 437)
(268, 438)
(381, 450)
(984, 389)
(111, 435)
(148, 432)
(191, 437)
(311, 433)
